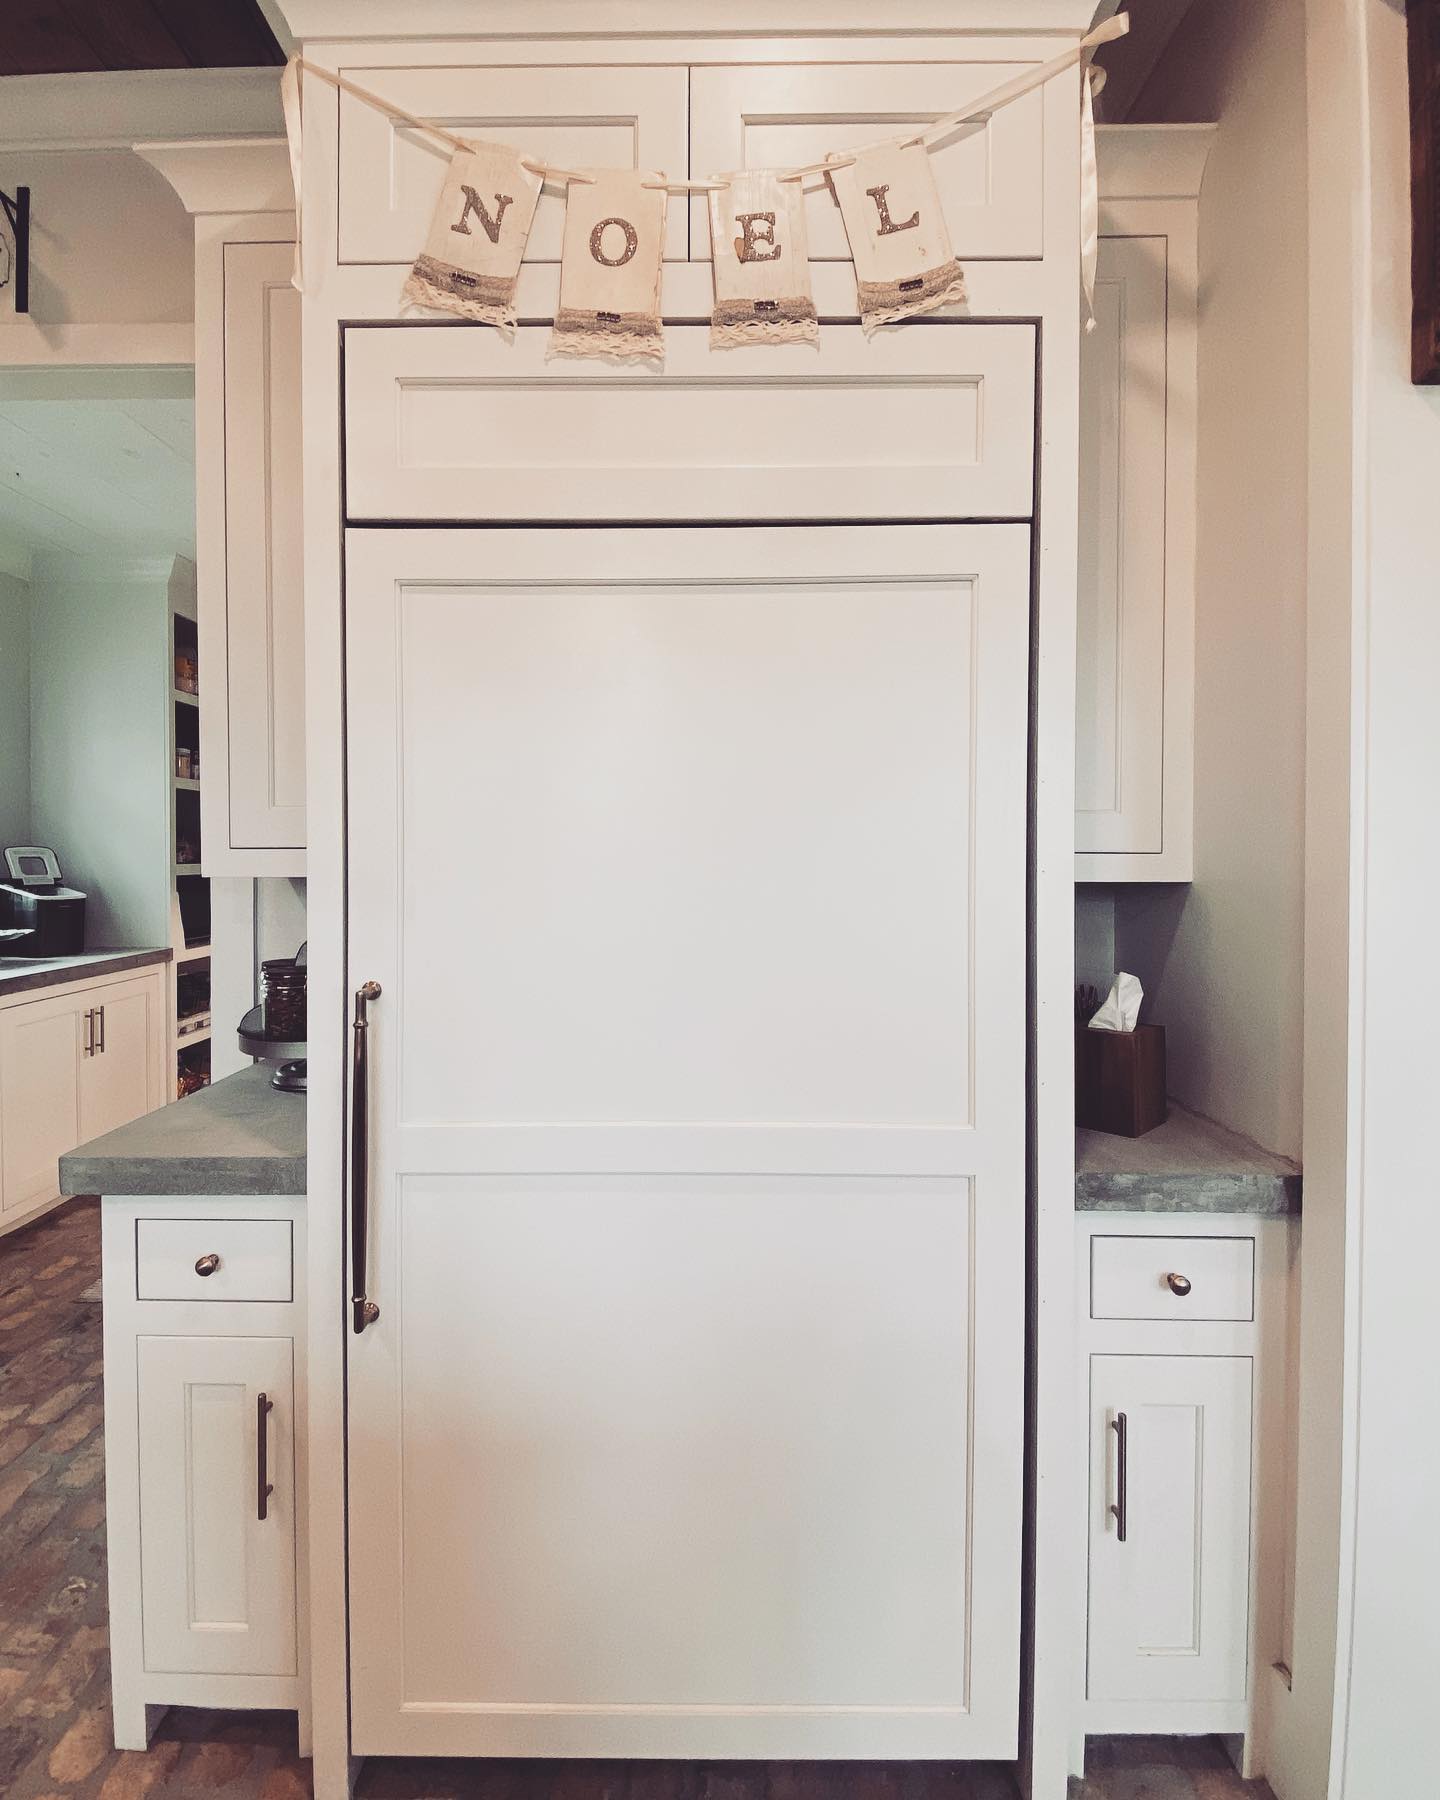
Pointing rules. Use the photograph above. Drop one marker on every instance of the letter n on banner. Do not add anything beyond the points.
(610, 267)
(471, 260)
(896, 227)
(761, 262)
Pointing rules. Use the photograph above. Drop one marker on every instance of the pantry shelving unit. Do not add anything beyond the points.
(190, 911)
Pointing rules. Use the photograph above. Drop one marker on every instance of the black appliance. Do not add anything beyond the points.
(38, 915)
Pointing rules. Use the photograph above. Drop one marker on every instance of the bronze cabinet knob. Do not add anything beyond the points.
(1178, 1284)
(207, 1265)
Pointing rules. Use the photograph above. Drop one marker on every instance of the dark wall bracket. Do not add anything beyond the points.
(17, 211)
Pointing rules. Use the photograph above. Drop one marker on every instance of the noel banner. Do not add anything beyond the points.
(614, 241)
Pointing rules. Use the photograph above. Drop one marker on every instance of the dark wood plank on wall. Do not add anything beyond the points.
(1424, 29)
(52, 37)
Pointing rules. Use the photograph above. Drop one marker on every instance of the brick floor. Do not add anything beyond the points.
(54, 1671)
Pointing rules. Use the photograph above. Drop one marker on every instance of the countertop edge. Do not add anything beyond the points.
(99, 963)
(139, 1178)
(1201, 1193)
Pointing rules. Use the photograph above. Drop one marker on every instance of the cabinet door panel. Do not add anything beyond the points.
(40, 1050)
(1120, 644)
(264, 606)
(217, 1581)
(1169, 1604)
(390, 174)
(116, 1083)
(771, 116)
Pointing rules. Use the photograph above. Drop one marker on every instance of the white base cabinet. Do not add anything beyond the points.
(1184, 1326)
(75, 1062)
(204, 1417)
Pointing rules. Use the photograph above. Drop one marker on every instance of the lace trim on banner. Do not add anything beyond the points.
(621, 337)
(736, 322)
(883, 302)
(488, 298)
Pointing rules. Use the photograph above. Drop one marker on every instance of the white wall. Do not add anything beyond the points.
(1223, 960)
(1095, 936)
(1390, 1625)
(110, 242)
(99, 761)
(14, 710)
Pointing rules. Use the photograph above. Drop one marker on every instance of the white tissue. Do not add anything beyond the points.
(1121, 1008)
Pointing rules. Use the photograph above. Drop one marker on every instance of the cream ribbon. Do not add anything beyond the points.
(294, 136)
(1091, 82)
(974, 114)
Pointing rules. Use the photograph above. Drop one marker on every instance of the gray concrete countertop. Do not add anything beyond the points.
(1187, 1165)
(18, 974)
(237, 1137)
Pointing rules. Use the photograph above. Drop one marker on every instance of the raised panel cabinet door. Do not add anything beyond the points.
(615, 117)
(265, 612)
(41, 1044)
(770, 116)
(217, 1581)
(696, 1162)
(1169, 1602)
(117, 1082)
(1120, 644)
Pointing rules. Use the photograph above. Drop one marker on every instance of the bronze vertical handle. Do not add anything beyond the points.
(102, 1030)
(264, 1487)
(1120, 1425)
(89, 1033)
(364, 1310)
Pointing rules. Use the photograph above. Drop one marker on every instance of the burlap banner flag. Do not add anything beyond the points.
(761, 262)
(471, 259)
(896, 226)
(610, 267)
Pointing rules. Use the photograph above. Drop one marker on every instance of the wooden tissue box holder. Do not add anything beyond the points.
(1120, 1079)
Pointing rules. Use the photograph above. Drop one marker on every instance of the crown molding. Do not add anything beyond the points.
(1152, 162)
(114, 108)
(225, 175)
(359, 20)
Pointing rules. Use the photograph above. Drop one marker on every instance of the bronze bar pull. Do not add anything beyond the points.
(364, 1310)
(90, 1032)
(102, 1030)
(264, 1487)
(1120, 1425)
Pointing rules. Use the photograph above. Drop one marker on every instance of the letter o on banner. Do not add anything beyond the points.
(597, 243)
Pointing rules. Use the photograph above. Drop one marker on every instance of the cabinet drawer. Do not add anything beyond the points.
(990, 177)
(255, 1259)
(1138, 1278)
(612, 118)
(459, 425)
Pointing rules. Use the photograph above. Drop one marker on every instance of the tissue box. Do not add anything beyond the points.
(1120, 1079)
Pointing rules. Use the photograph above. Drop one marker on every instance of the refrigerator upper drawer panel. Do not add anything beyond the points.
(927, 423)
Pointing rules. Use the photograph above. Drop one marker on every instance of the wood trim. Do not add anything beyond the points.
(1424, 36)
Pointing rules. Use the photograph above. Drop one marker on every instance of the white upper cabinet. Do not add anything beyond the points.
(390, 174)
(444, 424)
(248, 519)
(1135, 704)
(785, 115)
(264, 644)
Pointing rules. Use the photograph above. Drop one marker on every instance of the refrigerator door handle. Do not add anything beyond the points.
(364, 1310)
